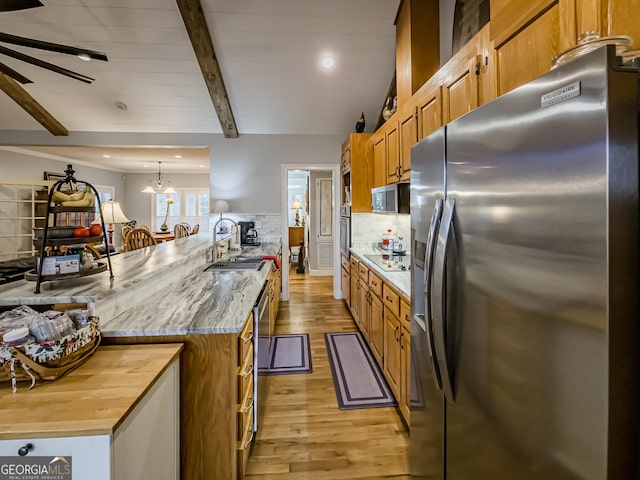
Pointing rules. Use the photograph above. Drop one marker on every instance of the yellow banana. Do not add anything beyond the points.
(79, 195)
(87, 201)
(59, 197)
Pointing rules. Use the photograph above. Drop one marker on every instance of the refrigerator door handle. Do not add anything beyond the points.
(428, 283)
(426, 326)
(438, 296)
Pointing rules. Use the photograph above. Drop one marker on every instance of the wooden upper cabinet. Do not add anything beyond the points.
(461, 93)
(393, 159)
(379, 141)
(429, 110)
(358, 175)
(417, 47)
(526, 41)
(408, 138)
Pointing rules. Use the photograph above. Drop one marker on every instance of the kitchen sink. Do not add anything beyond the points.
(238, 263)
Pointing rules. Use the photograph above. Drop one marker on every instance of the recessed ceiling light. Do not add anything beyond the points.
(327, 62)
(201, 166)
(146, 166)
(106, 156)
(84, 57)
(177, 156)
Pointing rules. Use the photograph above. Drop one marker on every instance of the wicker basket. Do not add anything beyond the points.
(50, 360)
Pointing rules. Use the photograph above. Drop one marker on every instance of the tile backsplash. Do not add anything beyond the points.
(368, 228)
(268, 226)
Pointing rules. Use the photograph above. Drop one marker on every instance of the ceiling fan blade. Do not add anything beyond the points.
(46, 65)
(52, 47)
(31, 106)
(13, 74)
(11, 5)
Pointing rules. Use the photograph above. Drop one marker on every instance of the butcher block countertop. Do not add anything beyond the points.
(94, 399)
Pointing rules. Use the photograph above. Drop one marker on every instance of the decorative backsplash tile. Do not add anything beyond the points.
(268, 226)
(368, 228)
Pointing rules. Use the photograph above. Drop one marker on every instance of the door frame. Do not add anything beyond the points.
(335, 199)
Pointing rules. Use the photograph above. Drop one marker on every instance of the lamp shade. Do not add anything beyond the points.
(112, 213)
(221, 206)
(296, 205)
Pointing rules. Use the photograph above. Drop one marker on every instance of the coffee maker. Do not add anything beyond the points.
(248, 234)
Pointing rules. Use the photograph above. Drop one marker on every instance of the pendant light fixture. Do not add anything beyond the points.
(159, 186)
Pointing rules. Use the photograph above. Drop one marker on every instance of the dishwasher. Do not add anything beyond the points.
(261, 348)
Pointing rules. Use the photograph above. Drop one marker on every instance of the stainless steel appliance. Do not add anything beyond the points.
(345, 230)
(248, 234)
(392, 198)
(261, 347)
(525, 332)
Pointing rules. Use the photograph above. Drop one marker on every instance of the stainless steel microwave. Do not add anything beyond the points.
(392, 198)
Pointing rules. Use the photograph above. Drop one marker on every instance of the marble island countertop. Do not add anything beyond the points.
(160, 290)
(400, 280)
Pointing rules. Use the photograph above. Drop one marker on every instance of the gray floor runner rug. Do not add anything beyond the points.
(358, 381)
(288, 354)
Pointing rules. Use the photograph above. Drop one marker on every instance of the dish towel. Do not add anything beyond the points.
(274, 258)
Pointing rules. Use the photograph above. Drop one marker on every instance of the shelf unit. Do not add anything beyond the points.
(52, 216)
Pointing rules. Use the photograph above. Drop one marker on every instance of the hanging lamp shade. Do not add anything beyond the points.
(159, 185)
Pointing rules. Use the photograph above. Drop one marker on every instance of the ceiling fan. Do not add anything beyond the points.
(17, 93)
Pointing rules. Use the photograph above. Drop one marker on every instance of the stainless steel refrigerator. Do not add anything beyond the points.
(525, 335)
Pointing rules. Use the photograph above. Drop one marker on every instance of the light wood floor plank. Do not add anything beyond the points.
(304, 435)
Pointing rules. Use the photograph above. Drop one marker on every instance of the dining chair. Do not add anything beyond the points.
(181, 230)
(126, 229)
(138, 238)
(196, 229)
(144, 227)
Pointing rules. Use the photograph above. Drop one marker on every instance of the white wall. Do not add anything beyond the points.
(19, 166)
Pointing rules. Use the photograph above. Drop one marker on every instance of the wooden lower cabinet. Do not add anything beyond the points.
(376, 328)
(216, 374)
(405, 359)
(392, 352)
(365, 309)
(346, 286)
(355, 294)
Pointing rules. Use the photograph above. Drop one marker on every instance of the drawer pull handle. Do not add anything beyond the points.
(248, 408)
(248, 339)
(389, 299)
(374, 284)
(249, 372)
(246, 442)
(25, 449)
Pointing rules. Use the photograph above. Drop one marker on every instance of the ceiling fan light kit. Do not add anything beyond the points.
(14, 90)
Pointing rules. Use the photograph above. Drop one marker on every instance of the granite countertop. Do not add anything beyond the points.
(159, 290)
(401, 281)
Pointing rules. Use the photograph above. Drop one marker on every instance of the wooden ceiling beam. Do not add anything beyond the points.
(196, 25)
(31, 106)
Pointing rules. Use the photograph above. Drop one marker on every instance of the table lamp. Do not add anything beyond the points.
(111, 213)
(297, 206)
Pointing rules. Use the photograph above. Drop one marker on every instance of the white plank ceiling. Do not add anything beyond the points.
(269, 54)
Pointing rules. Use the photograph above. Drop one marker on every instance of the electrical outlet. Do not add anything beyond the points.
(258, 224)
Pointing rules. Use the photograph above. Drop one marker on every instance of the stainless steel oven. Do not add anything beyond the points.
(345, 230)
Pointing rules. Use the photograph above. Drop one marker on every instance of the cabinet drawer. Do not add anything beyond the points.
(345, 263)
(244, 446)
(245, 409)
(391, 300)
(375, 284)
(245, 340)
(405, 313)
(354, 264)
(363, 271)
(245, 372)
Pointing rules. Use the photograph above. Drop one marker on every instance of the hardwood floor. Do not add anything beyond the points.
(304, 435)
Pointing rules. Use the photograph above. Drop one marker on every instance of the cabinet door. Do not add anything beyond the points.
(408, 138)
(355, 297)
(526, 41)
(461, 94)
(405, 372)
(393, 163)
(376, 329)
(346, 286)
(365, 311)
(379, 159)
(429, 112)
(392, 352)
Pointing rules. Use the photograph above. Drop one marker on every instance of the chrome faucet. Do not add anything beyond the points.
(233, 225)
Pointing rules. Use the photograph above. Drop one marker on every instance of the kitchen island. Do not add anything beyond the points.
(163, 294)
